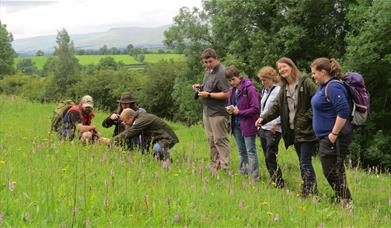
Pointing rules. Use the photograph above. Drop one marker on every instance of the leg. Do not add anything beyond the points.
(240, 142)
(219, 126)
(270, 147)
(214, 155)
(160, 152)
(305, 151)
(332, 157)
(252, 156)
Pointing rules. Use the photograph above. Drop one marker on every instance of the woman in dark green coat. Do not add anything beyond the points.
(294, 106)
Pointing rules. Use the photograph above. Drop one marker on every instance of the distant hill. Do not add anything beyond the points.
(115, 37)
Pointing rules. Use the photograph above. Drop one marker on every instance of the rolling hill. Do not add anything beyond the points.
(115, 37)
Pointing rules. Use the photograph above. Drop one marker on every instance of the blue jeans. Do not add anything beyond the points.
(160, 152)
(304, 151)
(247, 153)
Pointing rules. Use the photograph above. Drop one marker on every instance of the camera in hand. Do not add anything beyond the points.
(197, 90)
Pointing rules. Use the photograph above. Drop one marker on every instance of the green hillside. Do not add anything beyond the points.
(47, 183)
(94, 59)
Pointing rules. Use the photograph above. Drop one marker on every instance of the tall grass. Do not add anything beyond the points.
(44, 182)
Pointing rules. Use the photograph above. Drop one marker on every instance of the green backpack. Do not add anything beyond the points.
(59, 113)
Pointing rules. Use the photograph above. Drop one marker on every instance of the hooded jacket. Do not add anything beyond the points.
(248, 105)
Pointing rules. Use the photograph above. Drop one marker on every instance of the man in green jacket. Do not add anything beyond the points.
(153, 129)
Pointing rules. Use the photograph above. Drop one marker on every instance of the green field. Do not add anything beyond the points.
(94, 59)
(47, 183)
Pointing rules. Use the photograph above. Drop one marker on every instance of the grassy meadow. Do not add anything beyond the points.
(94, 59)
(44, 182)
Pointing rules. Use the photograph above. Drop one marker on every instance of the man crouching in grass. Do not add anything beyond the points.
(152, 127)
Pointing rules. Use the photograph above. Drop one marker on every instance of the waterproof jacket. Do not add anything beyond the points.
(248, 105)
(152, 127)
(302, 131)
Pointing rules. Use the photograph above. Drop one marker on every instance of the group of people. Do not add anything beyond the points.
(290, 106)
(134, 127)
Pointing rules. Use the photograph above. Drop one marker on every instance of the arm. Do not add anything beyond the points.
(131, 131)
(274, 110)
(254, 103)
(111, 120)
(338, 97)
(214, 95)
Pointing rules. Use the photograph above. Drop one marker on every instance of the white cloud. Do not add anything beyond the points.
(87, 15)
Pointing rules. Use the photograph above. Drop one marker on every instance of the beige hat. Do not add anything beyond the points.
(87, 101)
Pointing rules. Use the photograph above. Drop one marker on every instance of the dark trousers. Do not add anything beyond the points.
(332, 157)
(304, 151)
(269, 142)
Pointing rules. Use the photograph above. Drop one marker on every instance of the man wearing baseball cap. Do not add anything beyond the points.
(77, 121)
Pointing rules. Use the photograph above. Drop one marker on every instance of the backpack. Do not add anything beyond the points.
(59, 113)
(354, 83)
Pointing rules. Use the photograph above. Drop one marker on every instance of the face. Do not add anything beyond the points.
(87, 109)
(125, 105)
(284, 70)
(266, 82)
(127, 121)
(234, 82)
(318, 75)
(210, 63)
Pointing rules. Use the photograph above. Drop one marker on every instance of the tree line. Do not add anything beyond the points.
(249, 34)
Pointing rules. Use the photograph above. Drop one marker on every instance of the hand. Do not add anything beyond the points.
(332, 138)
(258, 123)
(274, 127)
(203, 94)
(114, 116)
(194, 86)
(235, 111)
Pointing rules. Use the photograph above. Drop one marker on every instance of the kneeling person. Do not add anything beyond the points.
(77, 121)
(152, 127)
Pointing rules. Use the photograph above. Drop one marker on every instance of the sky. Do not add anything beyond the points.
(31, 18)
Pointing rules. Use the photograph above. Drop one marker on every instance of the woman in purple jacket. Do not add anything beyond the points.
(243, 101)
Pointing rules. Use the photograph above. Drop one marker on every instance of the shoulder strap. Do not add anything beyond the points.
(268, 95)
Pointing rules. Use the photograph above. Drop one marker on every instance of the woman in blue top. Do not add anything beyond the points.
(331, 113)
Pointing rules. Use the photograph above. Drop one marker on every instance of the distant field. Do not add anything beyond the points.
(94, 59)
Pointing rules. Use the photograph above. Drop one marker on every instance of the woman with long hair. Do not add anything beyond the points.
(294, 107)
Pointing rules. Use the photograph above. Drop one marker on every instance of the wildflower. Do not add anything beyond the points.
(26, 216)
(302, 208)
(213, 170)
(241, 204)
(74, 210)
(264, 203)
(389, 201)
(350, 164)
(177, 162)
(321, 225)
(11, 185)
(356, 178)
(106, 202)
(168, 200)
(276, 218)
(165, 164)
(146, 200)
(176, 174)
(2, 162)
(88, 223)
(315, 200)
(177, 217)
(269, 213)
(1, 218)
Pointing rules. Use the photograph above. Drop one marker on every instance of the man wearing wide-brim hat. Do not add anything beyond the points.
(126, 101)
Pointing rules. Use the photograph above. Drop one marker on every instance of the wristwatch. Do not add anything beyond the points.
(209, 95)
